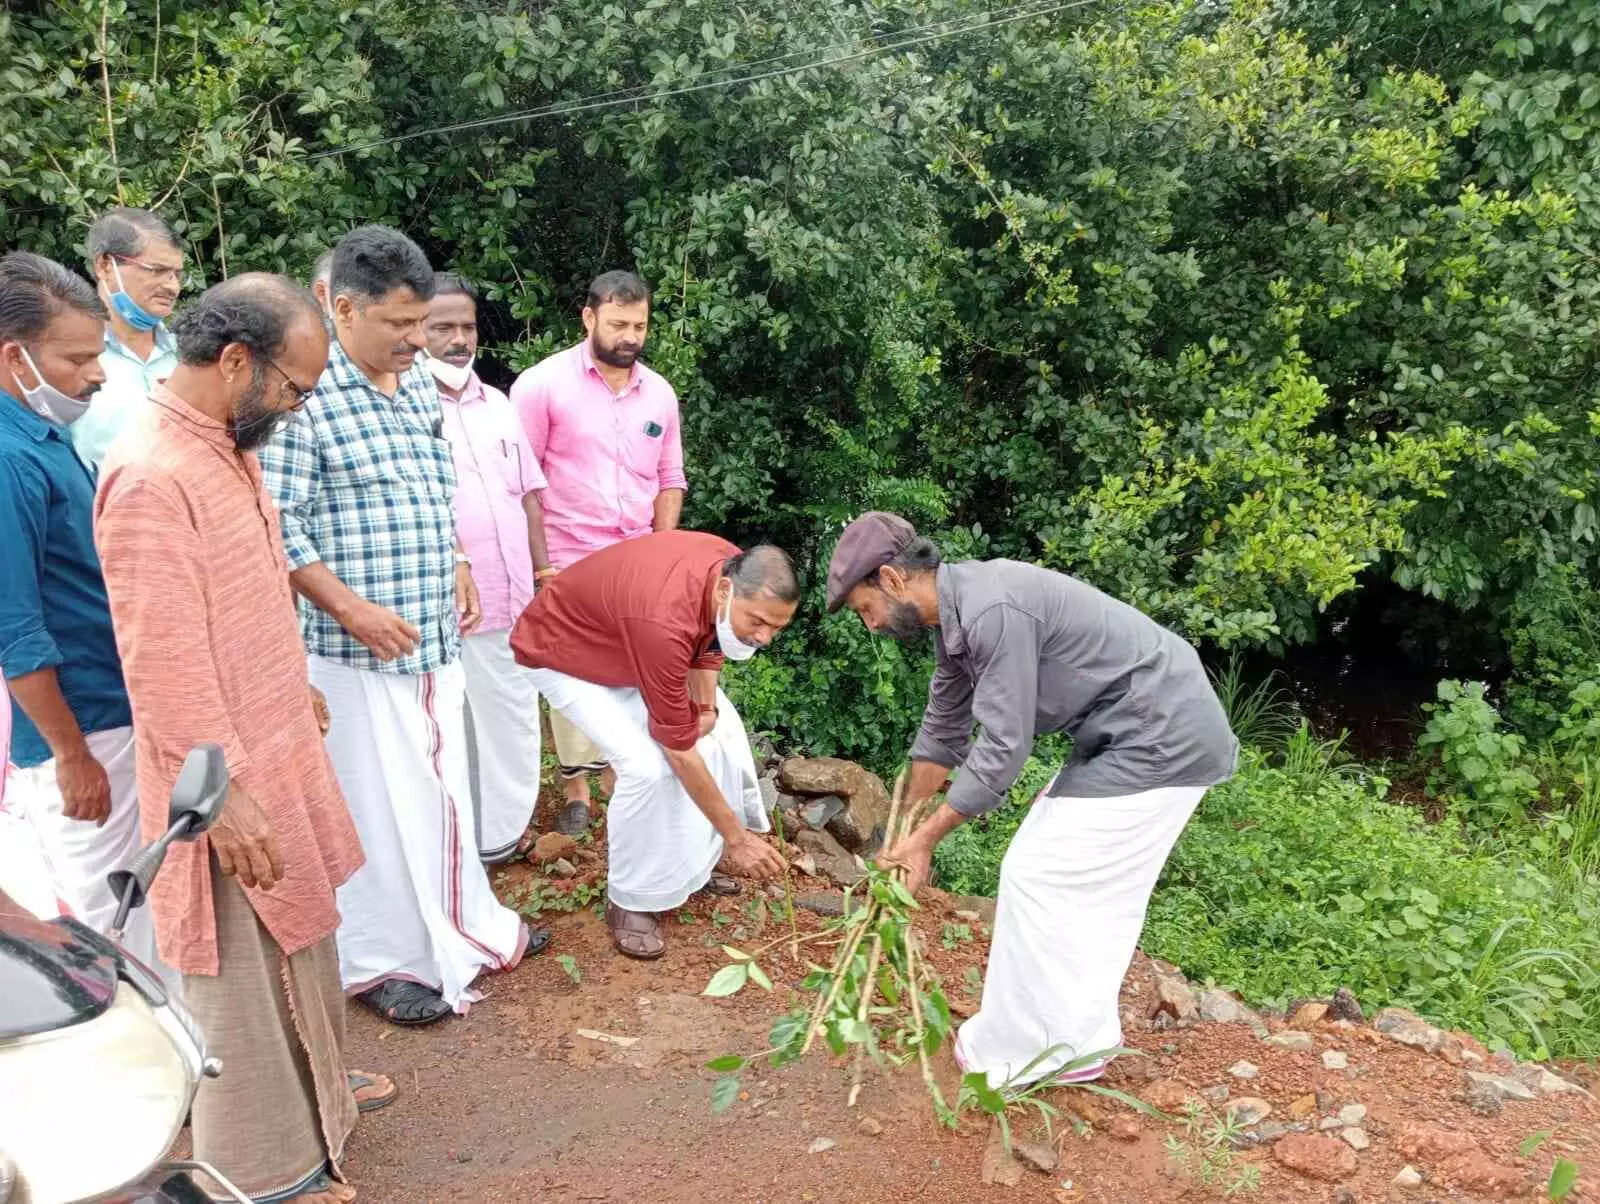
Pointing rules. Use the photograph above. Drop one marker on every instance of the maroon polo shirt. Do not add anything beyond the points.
(638, 613)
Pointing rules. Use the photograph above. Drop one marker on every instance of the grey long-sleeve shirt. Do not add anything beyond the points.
(1023, 651)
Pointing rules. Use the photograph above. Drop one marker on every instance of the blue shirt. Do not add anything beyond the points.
(54, 613)
(366, 484)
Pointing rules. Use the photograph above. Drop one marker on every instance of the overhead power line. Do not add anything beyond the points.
(932, 32)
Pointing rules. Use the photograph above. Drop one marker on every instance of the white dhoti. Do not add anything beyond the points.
(420, 909)
(1074, 886)
(75, 856)
(660, 848)
(505, 742)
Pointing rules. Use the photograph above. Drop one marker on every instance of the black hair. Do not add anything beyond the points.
(370, 262)
(123, 232)
(623, 288)
(449, 284)
(763, 569)
(33, 290)
(256, 310)
(917, 557)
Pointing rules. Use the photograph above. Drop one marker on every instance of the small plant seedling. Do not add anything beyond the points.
(1204, 1154)
(1563, 1178)
(1531, 1143)
(972, 981)
(685, 917)
(720, 920)
(569, 966)
(955, 934)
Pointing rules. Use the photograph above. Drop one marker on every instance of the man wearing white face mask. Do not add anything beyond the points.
(501, 528)
(72, 726)
(627, 643)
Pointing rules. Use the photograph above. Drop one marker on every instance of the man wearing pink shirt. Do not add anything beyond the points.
(501, 527)
(605, 430)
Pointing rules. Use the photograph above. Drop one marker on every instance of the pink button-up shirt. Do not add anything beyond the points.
(605, 455)
(495, 470)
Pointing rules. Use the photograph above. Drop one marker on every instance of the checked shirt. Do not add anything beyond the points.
(365, 483)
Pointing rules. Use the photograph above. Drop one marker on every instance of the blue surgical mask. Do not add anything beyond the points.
(129, 310)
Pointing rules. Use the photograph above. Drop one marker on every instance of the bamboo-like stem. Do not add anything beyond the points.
(105, 86)
(788, 892)
(869, 988)
(913, 981)
(840, 965)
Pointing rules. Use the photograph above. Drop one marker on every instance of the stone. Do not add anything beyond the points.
(1249, 1109)
(1335, 1059)
(823, 903)
(821, 1145)
(1409, 1029)
(1329, 1123)
(1343, 1006)
(1223, 1007)
(1215, 1095)
(1175, 1000)
(553, 846)
(1554, 1084)
(1243, 1070)
(1355, 1138)
(1484, 1099)
(833, 862)
(1308, 1014)
(562, 868)
(1316, 1157)
(982, 907)
(1292, 1039)
(1035, 1155)
(1506, 1088)
(1084, 1107)
(769, 793)
(1353, 1114)
(1409, 1178)
(1166, 1095)
(817, 813)
(1430, 1143)
(999, 1167)
(1303, 1108)
(1125, 1128)
(1478, 1175)
(870, 1126)
(861, 819)
(1343, 1195)
(1275, 1131)
(806, 864)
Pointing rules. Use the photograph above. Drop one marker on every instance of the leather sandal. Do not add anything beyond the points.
(573, 818)
(408, 1004)
(361, 1082)
(636, 934)
(722, 884)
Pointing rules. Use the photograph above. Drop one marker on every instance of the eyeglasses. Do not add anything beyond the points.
(154, 270)
(300, 395)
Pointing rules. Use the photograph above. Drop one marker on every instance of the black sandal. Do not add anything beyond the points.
(722, 884)
(407, 1004)
(535, 941)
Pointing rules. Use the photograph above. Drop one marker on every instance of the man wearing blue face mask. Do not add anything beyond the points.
(627, 643)
(72, 727)
(137, 262)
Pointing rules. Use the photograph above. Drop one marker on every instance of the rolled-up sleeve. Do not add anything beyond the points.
(26, 645)
(669, 470)
(155, 576)
(660, 664)
(1003, 643)
(945, 736)
(291, 470)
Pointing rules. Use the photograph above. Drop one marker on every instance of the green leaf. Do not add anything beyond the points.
(1563, 1178)
(727, 1063)
(738, 955)
(724, 1093)
(727, 980)
(759, 977)
(976, 1084)
(1533, 1141)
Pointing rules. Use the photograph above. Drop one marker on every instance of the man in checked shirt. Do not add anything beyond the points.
(364, 483)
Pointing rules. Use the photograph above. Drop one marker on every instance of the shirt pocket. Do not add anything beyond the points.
(367, 463)
(641, 450)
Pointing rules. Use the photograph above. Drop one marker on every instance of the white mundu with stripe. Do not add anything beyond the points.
(505, 741)
(660, 848)
(421, 908)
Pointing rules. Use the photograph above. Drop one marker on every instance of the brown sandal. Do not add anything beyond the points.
(636, 934)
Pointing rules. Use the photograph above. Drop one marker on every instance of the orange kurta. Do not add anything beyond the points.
(210, 644)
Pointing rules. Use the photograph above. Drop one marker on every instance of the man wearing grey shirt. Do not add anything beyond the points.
(1023, 651)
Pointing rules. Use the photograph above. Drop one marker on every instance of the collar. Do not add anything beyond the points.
(471, 392)
(15, 414)
(346, 374)
(206, 427)
(947, 588)
(586, 357)
(165, 344)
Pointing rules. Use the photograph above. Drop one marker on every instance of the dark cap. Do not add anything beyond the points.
(867, 544)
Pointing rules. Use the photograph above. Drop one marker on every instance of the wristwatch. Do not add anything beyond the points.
(463, 558)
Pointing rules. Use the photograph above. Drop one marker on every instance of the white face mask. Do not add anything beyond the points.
(732, 646)
(447, 374)
(49, 402)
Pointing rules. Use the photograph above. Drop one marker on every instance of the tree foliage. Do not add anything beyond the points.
(1226, 310)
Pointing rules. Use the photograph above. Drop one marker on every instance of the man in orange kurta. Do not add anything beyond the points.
(211, 649)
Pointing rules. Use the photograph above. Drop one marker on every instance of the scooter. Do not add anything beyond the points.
(98, 1066)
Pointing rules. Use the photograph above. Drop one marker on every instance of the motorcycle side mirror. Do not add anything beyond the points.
(199, 792)
(195, 804)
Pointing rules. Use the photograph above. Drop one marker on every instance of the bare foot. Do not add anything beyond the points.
(608, 781)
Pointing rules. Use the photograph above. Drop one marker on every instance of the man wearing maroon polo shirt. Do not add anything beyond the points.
(627, 644)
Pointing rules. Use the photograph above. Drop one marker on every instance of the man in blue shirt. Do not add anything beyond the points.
(73, 733)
